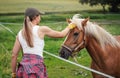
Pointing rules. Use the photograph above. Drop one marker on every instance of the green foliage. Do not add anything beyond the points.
(113, 4)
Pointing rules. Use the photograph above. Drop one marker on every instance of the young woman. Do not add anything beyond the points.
(31, 40)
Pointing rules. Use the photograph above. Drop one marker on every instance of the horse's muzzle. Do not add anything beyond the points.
(65, 53)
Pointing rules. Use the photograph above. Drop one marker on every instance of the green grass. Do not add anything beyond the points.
(18, 6)
(55, 67)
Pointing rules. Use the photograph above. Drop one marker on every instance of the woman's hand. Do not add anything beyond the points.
(71, 25)
(13, 75)
(56, 34)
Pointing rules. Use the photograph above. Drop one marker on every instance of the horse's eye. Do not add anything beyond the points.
(76, 33)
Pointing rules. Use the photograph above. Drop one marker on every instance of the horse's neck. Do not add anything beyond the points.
(103, 58)
(96, 52)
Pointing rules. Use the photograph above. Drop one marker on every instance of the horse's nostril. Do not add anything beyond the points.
(64, 53)
(61, 53)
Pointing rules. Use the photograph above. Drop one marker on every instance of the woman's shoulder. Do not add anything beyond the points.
(19, 34)
(20, 31)
(45, 28)
(41, 27)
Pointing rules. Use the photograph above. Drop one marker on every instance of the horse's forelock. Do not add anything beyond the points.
(77, 16)
(78, 22)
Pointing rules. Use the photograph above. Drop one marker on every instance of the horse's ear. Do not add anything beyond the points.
(68, 20)
(84, 22)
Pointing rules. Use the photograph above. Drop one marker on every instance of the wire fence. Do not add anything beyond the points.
(7, 53)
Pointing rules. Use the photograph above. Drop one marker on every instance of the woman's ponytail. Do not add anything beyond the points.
(30, 14)
(27, 31)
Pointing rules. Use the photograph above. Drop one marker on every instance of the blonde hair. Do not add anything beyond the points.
(97, 32)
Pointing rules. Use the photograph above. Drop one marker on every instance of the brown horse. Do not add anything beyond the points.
(103, 48)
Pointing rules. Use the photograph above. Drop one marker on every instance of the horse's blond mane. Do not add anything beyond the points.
(97, 32)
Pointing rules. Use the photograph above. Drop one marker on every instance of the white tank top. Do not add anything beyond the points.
(37, 42)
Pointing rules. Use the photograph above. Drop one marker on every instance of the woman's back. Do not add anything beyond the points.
(37, 42)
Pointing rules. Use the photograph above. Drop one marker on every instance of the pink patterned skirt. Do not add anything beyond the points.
(31, 66)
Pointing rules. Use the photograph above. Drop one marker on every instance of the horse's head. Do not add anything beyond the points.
(75, 40)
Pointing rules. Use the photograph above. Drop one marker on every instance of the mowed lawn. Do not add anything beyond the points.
(55, 67)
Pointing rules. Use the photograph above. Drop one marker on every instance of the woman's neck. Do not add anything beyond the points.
(34, 23)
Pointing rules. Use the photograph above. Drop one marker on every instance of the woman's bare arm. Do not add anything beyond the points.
(54, 34)
(15, 52)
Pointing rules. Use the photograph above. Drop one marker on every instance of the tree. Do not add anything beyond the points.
(113, 4)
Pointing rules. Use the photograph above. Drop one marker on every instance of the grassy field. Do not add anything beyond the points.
(18, 6)
(55, 67)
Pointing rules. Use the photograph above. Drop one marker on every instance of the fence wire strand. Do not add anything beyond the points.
(81, 66)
